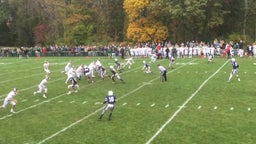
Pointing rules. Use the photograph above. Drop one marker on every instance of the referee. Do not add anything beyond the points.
(163, 72)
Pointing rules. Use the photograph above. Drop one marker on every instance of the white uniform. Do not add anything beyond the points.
(67, 67)
(42, 87)
(8, 99)
(46, 67)
(80, 71)
(71, 73)
(129, 62)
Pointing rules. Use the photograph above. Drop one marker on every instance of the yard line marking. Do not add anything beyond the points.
(152, 105)
(124, 104)
(138, 104)
(24, 100)
(231, 108)
(36, 100)
(72, 101)
(84, 102)
(183, 105)
(215, 107)
(199, 107)
(97, 103)
(96, 111)
(167, 106)
(249, 109)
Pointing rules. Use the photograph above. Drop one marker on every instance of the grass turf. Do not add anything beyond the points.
(216, 112)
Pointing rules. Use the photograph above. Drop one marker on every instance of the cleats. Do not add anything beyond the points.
(12, 111)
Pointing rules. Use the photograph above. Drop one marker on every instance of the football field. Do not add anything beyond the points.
(195, 106)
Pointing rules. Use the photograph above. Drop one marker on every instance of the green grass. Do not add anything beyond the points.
(144, 104)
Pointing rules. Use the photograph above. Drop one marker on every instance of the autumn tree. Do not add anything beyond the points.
(142, 25)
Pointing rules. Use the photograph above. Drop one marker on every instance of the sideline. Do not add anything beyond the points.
(183, 105)
(96, 111)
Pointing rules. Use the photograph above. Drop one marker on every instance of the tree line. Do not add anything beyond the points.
(85, 22)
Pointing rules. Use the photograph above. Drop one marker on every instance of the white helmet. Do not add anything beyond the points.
(233, 59)
(116, 59)
(110, 92)
(144, 62)
(111, 67)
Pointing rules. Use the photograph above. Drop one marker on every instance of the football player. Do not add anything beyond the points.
(42, 87)
(10, 99)
(146, 67)
(46, 66)
(118, 66)
(110, 100)
(115, 74)
(234, 71)
(73, 86)
(172, 62)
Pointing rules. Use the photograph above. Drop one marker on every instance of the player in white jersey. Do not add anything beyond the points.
(98, 65)
(67, 67)
(163, 72)
(10, 99)
(153, 58)
(80, 71)
(46, 66)
(42, 87)
(129, 62)
(71, 73)
(91, 67)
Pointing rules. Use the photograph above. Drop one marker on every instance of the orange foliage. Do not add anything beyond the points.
(141, 27)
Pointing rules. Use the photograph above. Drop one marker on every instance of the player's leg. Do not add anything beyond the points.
(110, 114)
(103, 112)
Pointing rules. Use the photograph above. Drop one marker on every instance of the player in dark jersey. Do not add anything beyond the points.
(102, 72)
(210, 58)
(118, 66)
(234, 71)
(115, 74)
(88, 74)
(146, 67)
(73, 86)
(110, 100)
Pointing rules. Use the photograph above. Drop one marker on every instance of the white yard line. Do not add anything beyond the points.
(183, 105)
(96, 111)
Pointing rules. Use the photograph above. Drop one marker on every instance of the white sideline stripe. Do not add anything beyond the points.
(93, 113)
(183, 105)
